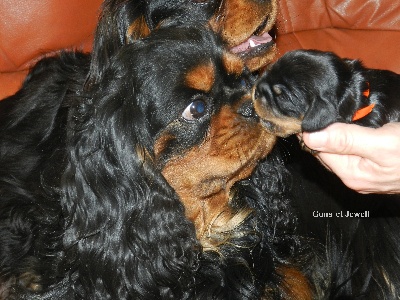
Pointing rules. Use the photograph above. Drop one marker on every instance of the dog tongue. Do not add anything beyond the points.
(252, 42)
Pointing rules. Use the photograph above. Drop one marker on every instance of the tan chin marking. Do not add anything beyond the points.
(258, 62)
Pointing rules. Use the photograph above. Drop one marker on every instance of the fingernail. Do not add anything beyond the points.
(317, 139)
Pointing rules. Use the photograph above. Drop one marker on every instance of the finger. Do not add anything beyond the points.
(360, 174)
(349, 139)
(338, 163)
(346, 168)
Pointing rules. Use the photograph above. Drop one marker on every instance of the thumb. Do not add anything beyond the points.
(340, 138)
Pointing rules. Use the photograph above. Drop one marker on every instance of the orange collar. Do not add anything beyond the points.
(361, 113)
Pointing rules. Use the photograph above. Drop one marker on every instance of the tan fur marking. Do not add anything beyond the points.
(262, 60)
(144, 155)
(203, 176)
(233, 64)
(30, 281)
(201, 77)
(161, 143)
(295, 285)
(27, 280)
(137, 30)
(280, 125)
(237, 20)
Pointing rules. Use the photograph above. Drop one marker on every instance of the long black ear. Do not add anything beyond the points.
(126, 234)
(321, 113)
(111, 33)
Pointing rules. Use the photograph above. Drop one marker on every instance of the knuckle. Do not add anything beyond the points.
(342, 141)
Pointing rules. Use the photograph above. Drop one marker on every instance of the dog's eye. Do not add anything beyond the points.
(195, 110)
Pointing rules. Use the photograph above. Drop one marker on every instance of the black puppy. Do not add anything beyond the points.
(307, 90)
(135, 187)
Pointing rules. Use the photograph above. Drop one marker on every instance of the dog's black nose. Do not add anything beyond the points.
(247, 110)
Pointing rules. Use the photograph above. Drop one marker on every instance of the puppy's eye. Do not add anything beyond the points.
(195, 110)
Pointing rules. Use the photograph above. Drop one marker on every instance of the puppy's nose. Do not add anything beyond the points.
(247, 110)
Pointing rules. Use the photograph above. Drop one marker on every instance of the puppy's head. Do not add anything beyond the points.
(307, 90)
(179, 104)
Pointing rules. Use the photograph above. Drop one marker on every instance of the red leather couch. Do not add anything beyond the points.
(30, 29)
(366, 30)
(359, 29)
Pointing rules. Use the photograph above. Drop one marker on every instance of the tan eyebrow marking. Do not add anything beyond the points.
(202, 77)
(137, 30)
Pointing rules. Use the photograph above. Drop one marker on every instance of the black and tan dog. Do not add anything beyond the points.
(307, 90)
(153, 178)
(139, 187)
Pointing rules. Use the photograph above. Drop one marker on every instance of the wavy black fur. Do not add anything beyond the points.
(117, 16)
(86, 214)
(32, 147)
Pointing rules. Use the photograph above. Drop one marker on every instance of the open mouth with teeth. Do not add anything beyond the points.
(257, 51)
(251, 36)
(258, 41)
(254, 44)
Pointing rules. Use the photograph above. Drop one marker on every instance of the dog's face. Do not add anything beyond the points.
(307, 90)
(192, 118)
(242, 24)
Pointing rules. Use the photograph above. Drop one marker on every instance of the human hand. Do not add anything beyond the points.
(367, 160)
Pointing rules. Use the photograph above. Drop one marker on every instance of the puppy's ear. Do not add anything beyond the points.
(118, 19)
(320, 114)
